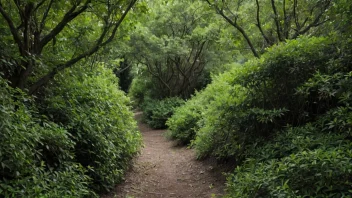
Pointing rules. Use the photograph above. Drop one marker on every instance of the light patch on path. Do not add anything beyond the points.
(166, 170)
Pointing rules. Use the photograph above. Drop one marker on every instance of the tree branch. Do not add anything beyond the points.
(239, 28)
(287, 21)
(276, 19)
(316, 22)
(244, 34)
(295, 14)
(259, 24)
(99, 44)
(39, 5)
(13, 29)
(120, 21)
(69, 16)
(45, 15)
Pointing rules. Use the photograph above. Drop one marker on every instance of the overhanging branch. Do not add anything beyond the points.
(69, 16)
(99, 44)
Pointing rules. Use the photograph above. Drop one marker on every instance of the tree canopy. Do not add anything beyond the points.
(265, 23)
(48, 36)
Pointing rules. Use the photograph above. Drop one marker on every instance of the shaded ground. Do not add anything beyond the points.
(166, 170)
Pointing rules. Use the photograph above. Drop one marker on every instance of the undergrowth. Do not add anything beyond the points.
(285, 119)
(76, 142)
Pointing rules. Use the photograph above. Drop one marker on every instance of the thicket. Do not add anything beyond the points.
(284, 118)
(156, 112)
(80, 138)
(176, 47)
(99, 119)
(187, 120)
(36, 155)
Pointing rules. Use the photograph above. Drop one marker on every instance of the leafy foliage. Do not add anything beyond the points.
(298, 162)
(263, 98)
(36, 155)
(98, 117)
(183, 124)
(69, 28)
(186, 120)
(265, 23)
(139, 91)
(285, 119)
(323, 172)
(176, 47)
(156, 112)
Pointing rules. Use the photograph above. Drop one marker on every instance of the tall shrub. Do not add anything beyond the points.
(187, 119)
(270, 102)
(36, 155)
(286, 120)
(99, 120)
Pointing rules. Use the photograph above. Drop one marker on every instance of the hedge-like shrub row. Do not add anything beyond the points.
(79, 141)
(284, 118)
(99, 119)
(36, 155)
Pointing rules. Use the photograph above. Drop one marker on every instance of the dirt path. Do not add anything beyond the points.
(166, 170)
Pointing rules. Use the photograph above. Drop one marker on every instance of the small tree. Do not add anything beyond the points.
(175, 46)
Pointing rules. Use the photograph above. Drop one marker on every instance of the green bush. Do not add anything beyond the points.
(98, 118)
(69, 182)
(263, 98)
(185, 121)
(36, 155)
(323, 172)
(285, 119)
(293, 140)
(298, 162)
(309, 161)
(183, 124)
(156, 112)
(138, 91)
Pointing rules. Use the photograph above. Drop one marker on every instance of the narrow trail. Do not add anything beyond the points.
(164, 169)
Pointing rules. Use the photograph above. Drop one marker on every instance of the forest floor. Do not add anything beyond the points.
(164, 169)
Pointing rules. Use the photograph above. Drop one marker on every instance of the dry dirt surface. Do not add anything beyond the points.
(164, 169)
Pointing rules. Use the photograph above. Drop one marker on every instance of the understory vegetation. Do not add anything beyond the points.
(99, 119)
(81, 137)
(285, 119)
(156, 112)
(66, 130)
(36, 155)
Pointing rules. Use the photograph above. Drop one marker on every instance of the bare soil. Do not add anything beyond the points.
(164, 169)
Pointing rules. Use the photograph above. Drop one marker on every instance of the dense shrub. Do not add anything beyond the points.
(36, 155)
(323, 172)
(293, 140)
(298, 162)
(184, 124)
(98, 118)
(263, 97)
(285, 119)
(309, 161)
(156, 112)
(138, 91)
(69, 182)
